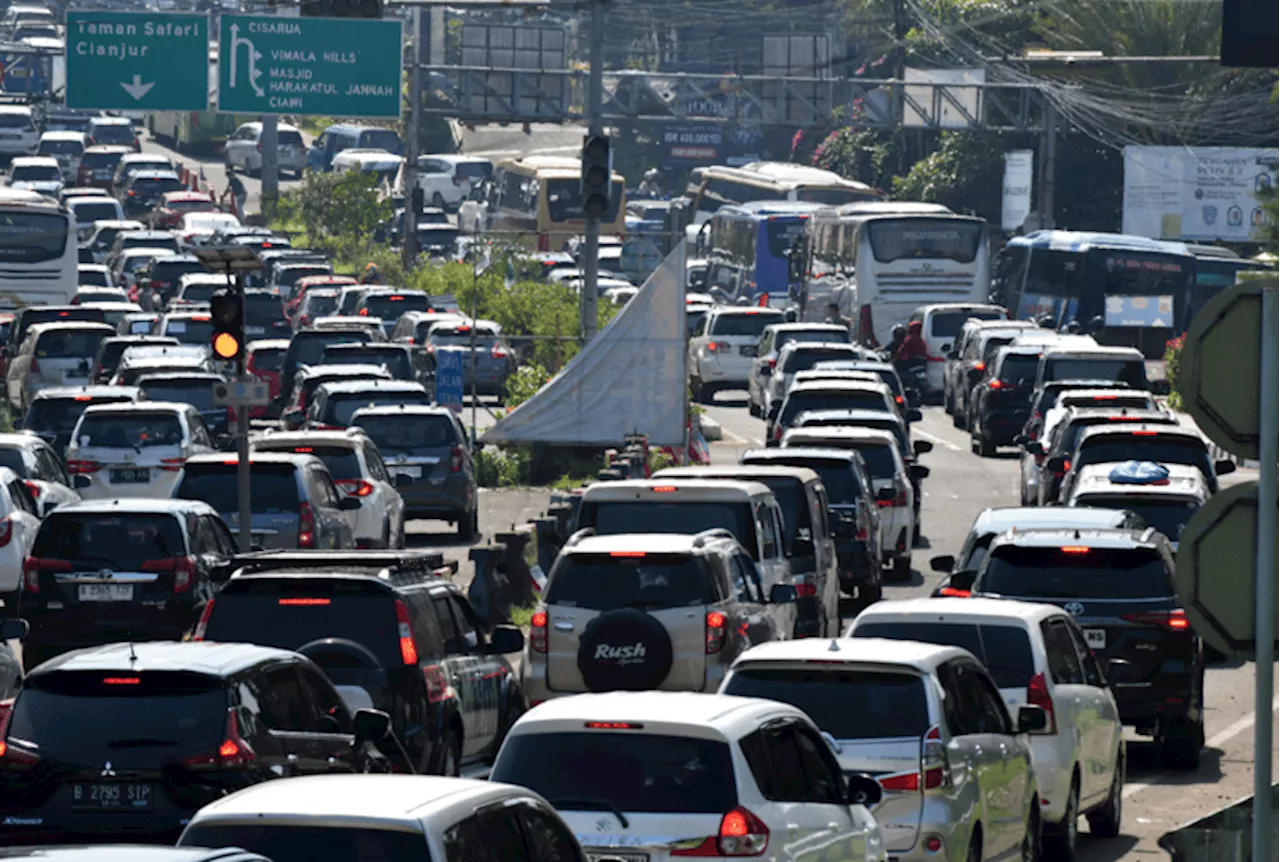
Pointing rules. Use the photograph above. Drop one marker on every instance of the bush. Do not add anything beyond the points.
(1173, 369)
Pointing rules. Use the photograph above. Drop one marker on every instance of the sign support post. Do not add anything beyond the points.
(1264, 826)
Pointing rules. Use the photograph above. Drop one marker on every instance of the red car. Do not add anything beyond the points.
(264, 360)
(98, 165)
(174, 205)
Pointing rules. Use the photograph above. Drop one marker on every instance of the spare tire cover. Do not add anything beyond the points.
(624, 650)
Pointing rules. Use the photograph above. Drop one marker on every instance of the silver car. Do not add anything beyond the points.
(53, 354)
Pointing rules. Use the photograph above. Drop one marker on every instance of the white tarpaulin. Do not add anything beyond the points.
(630, 379)
(1016, 193)
(1196, 193)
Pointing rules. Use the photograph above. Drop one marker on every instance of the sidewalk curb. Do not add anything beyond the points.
(711, 429)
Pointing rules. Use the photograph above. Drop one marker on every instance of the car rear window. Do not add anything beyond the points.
(170, 271)
(1075, 572)
(391, 306)
(804, 360)
(408, 435)
(12, 458)
(320, 304)
(268, 359)
(341, 460)
(1144, 445)
(197, 393)
(1019, 367)
(123, 541)
(631, 772)
(1168, 515)
(156, 187)
(848, 704)
(262, 309)
(69, 344)
(462, 336)
(602, 582)
(189, 330)
(200, 291)
(848, 399)
(612, 517)
(132, 430)
(879, 458)
(393, 359)
(793, 502)
(100, 161)
(751, 324)
(1131, 371)
(61, 414)
(810, 336)
(272, 487)
(308, 347)
(285, 843)
(142, 718)
(112, 134)
(946, 324)
(993, 345)
(339, 409)
(90, 211)
(1005, 650)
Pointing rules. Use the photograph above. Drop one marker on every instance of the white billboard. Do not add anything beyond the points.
(1016, 191)
(1196, 193)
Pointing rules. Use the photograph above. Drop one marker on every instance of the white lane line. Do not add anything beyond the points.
(934, 438)
(1216, 741)
(737, 439)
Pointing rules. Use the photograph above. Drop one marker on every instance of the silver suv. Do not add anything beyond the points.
(638, 612)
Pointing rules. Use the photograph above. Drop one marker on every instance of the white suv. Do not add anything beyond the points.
(134, 450)
(1037, 655)
(446, 181)
(18, 133)
(723, 348)
(657, 776)
(243, 149)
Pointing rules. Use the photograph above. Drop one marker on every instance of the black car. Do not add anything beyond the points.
(1044, 398)
(54, 412)
(165, 272)
(404, 361)
(1118, 585)
(264, 315)
(1047, 461)
(392, 635)
(334, 404)
(308, 345)
(173, 727)
(145, 188)
(1001, 401)
(853, 513)
(108, 570)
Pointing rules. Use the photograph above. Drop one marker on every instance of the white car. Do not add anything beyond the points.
(1165, 496)
(1038, 656)
(19, 523)
(89, 209)
(134, 450)
(723, 347)
(18, 132)
(360, 818)
(68, 148)
(358, 471)
(243, 150)
(940, 324)
(798, 356)
(36, 173)
(446, 180)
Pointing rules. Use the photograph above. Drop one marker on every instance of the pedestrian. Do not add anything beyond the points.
(836, 318)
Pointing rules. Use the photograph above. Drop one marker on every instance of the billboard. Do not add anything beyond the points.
(1196, 193)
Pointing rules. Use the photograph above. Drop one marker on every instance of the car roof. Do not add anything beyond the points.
(352, 438)
(748, 310)
(751, 472)
(346, 387)
(1033, 517)
(834, 328)
(1173, 429)
(139, 407)
(268, 344)
(62, 135)
(227, 458)
(398, 409)
(814, 453)
(955, 610)
(33, 161)
(337, 372)
(127, 853)
(1091, 538)
(818, 346)
(643, 489)
(844, 432)
(214, 659)
(709, 716)
(838, 384)
(853, 415)
(1090, 350)
(91, 391)
(70, 326)
(137, 505)
(655, 543)
(923, 657)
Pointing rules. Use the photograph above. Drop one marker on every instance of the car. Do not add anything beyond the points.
(134, 450)
(1000, 402)
(346, 818)
(52, 354)
(196, 229)
(1163, 443)
(53, 412)
(111, 350)
(1037, 656)
(173, 205)
(816, 395)
(358, 471)
(765, 361)
(940, 324)
(297, 290)
(1057, 396)
(316, 302)
(721, 350)
(243, 150)
(1068, 361)
(393, 635)
(487, 361)
(982, 357)
(295, 503)
(114, 313)
(308, 344)
(869, 419)
(1165, 496)
(194, 328)
(19, 522)
(194, 288)
(293, 404)
(413, 327)
(95, 274)
(141, 359)
(286, 273)
(39, 465)
(107, 570)
(447, 180)
(114, 131)
(961, 568)
(175, 727)
(127, 853)
(403, 361)
(98, 165)
(428, 456)
(67, 148)
(40, 174)
(190, 387)
(802, 356)
(130, 163)
(133, 264)
(264, 314)
(20, 134)
(90, 209)
(637, 612)
(886, 371)
(662, 775)
(146, 188)
(264, 356)
(1118, 585)
(964, 362)
(333, 404)
(904, 713)
(96, 295)
(102, 238)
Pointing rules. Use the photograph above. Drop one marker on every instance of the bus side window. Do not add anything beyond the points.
(1006, 283)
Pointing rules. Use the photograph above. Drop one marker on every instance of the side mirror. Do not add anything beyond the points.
(782, 594)
(14, 629)
(505, 639)
(1032, 719)
(921, 447)
(766, 371)
(914, 415)
(1034, 447)
(1223, 467)
(944, 563)
(918, 472)
(832, 743)
(885, 495)
(82, 481)
(843, 527)
(1057, 465)
(864, 790)
(370, 725)
(349, 504)
(1119, 672)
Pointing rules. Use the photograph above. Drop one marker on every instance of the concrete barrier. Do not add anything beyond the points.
(711, 429)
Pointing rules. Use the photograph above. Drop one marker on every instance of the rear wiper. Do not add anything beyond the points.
(141, 742)
(597, 804)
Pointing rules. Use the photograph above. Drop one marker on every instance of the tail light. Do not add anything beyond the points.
(306, 526)
(408, 649)
(183, 568)
(772, 363)
(1038, 695)
(78, 466)
(6, 531)
(12, 759)
(996, 384)
(1174, 621)
(866, 329)
(979, 366)
(456, 457)
(716, 623)
(899, 498)
(804, 589)
(741, 834)
(499, 352)
(173, 465)
(777, 430)
(933, 772)
(203, 625)
(33, 566)
(1066, 468)
(234, 752)
(538, 632)
(953, 593)
(715, 346)
(438, 688)
(355, 487)
(34, 488)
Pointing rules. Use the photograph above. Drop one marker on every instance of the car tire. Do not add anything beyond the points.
(948, 403)
(869, 594)
(753, 409)
(1031, 836)
(901, 569)
(450, 764)
(624, 627)
(957, 419)
(975, 848)
(1104, 821)
(1061, 845)
(701, 394)
(227, 165)
(1180, 747)
(12, 603)
(437, 201)
(468, 526)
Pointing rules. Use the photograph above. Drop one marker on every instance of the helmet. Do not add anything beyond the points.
(651, 174)
(899, 332)
(371, 268)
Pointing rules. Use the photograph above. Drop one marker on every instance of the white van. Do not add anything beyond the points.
(18, 133)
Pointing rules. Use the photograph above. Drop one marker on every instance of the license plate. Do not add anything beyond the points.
(135, 476)
(111, 796)
(254, 330)
(606, 856)
(106, 592)
(1096, 638)
(411, 472)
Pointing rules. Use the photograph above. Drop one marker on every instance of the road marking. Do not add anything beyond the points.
(934, 438)
(737, 439)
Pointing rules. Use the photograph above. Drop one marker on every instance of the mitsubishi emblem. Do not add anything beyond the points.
(107, 771)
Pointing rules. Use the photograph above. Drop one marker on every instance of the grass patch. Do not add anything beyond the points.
(522, 617)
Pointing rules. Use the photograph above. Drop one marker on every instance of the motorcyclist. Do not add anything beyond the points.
(897, 337)
(371, 274)
(913, 347)
(836, 318)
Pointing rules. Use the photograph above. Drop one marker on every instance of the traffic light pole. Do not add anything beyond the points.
(595, 97)
(242, 442)
(270, 164)
(409, 240)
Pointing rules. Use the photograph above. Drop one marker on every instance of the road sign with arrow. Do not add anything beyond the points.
(140, 61)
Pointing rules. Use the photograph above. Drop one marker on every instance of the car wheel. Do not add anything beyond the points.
(975, 848)
(1062, 843)
(12, 603)
(1180, 745)
(1104, 821)
(468, 526)
(437, 201)
(228, 165)
(450, 755)
(901, 568)
(869, 594)
(957, 418)
(948, 403)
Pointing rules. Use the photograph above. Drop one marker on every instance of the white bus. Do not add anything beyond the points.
(880, 262)
(38, 252)
(713, 187)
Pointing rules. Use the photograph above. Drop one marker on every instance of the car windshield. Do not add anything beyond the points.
(612, 517)
(61, 414)
(1005, 650)
(91, 211)
(629, 772)
(603, 582)
(272, 487)
(69, 344)
(749, 323)
(848, 704)
(123, 542)
(1130, 371)
(133, 430)
(946, 324)
(1168, 515)
(339, 409)
(34, 173)
(199, 394)
(298, 843)
(1074, 573)
(189, 330)
(404, 435)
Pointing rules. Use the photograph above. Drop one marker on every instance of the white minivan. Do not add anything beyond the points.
(940, 324)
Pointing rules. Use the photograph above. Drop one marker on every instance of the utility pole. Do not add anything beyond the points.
(409, 242)
(595, 98)
(1048, 164)
(270, 142)
(243, 502)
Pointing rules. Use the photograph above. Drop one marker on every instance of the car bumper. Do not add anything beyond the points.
(1144, 705)
(83, 625)
(942, 817)
(533, 680)
(423, 500)
(1000, 427)
(897, 524)
(99, 487)
(1053, 757)
(729, 369)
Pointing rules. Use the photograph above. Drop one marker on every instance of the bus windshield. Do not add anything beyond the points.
(31, 237)
(921, 239)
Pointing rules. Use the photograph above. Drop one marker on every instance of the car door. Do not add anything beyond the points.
(464, 668)
(1013, 765)
(25, 516)
(296, 724)
(492, 669)
(1104, 734)
(974, 755)
(332, 736)
(1072, 701)
(754, 623)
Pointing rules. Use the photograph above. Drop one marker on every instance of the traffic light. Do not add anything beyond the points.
(341, 9)
(597, 175)
(228, 324)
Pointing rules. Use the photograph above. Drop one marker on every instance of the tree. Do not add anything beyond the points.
(340, 210)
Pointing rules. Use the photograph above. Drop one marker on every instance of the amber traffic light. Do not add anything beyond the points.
(228, 324)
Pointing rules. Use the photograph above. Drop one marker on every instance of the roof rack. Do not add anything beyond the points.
(700, 540)
(391, 565)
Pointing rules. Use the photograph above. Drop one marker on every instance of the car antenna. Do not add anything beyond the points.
(133, 656)
(835, 646)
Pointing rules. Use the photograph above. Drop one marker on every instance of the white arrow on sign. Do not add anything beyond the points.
(137, 89)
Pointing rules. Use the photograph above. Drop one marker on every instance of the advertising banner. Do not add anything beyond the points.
(1196, 193)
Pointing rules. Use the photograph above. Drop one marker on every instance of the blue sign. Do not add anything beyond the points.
(1139, 311)
(449, 365)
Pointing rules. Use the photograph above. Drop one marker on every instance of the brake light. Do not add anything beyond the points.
(612, 725)
(544, 242)
(664, 489)
(806, 590)
(716, 622)
(408, 650)
(979, 366)
(933, 760)
(996, 384)
(538, 632)
(305, 603)
(306, 526)
(34, 488)
(6, 531)
(1174, 621)
(173, 465)
(1066, 468)
(636, 554)
(438, 687)
(953, 593)
(772, 363)
(1074, 549)
(713, 346)
(355, 487)
(741, 834)
(12, 759)
(234, 752)
(1143, 433)
(33, 566)
(203, 625)
(777, 431)
(183, 568)
(456, 456)
(499, 352)
(1038, 695)
(122, 680)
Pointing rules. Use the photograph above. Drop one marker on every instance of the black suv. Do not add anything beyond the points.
(108, 570)
(1001, 401)
(173, 727)
(334, 404)
(1118, 585)
(307, 346)
(1047, 461)
(391, 634)
(404, 361)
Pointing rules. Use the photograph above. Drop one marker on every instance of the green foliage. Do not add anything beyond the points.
(337, 212)
(965, 173)
(1173, 369)
(524, 383)
(536, 466)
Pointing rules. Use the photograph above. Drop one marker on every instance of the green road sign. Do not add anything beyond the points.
(140, 61)
(335, 67)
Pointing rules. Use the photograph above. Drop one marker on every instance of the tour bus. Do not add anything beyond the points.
(713, 187)
(879, 262)
(38, 253)
(1217, 268)
(748, 248)
(539, 199)
(1125, 291)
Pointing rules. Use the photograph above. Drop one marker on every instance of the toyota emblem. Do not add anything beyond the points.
(1074, 608)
